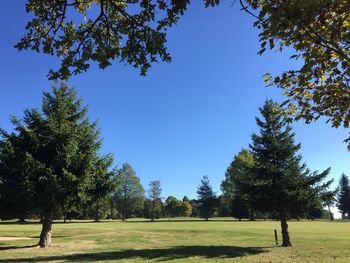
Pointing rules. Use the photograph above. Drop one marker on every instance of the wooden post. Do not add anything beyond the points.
(276, 238)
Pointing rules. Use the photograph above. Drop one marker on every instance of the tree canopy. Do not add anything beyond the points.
(129, 194)
(53, 153)
(239, 168)
(133, 32)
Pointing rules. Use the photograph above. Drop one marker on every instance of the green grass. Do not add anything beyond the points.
(178, 241)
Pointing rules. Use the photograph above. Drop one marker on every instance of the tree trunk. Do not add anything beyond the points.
(46, 232)
(285, 235)
(21, 220)
(330, 213)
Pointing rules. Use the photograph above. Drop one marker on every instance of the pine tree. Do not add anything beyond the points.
(129, 195)
(56, 151)
(101, 188)
(278, 182)
(343, 197)
(206, 198)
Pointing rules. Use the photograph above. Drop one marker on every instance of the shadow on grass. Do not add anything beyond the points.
(184, 220)
(17, 247)
(162, 254)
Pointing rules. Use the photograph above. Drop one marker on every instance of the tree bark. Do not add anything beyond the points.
(285, 235)
(46, 232)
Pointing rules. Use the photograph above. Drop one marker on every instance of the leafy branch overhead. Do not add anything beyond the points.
(131, 31)
(319, 34)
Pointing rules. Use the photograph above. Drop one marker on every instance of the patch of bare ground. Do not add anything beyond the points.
(14, 238)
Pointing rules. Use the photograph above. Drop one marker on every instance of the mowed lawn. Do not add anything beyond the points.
(177, 241)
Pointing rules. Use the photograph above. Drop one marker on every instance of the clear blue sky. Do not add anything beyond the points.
(185, 119)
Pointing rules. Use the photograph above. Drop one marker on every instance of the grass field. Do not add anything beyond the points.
(177, 241)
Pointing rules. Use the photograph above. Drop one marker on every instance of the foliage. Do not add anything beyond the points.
(343, 197)
(318, 32)
(186, 208)
(278, 182)
(239, 168)
(173, 207)
(55, 152)
(78, 32)
(206, 198)
(129, 195)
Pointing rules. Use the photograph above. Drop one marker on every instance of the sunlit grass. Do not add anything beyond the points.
(178, 240)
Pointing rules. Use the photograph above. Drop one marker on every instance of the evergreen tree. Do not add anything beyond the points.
(15, 190)
(154, 194)
(278, 182)
(238, 170)
(101, 188)
(206, 198)
(343, 197)
(129, 195)
(55, 154)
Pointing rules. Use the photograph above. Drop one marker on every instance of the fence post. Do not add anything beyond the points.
(276, 238)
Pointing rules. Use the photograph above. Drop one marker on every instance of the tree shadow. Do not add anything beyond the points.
(185, 220)
(17, 247)
(159, 255)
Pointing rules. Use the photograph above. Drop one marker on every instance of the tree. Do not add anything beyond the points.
(137, 37)
(57, 150)
(129, 195)
(240, 166)
(343, 197)
(186, 209)
(173, 207)
(206, 198)
(15, 191)
(102, 186)
(278, 182)
(318, 33)
(328, 199)
(154, 194)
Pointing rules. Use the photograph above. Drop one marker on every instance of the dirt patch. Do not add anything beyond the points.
(14, 238)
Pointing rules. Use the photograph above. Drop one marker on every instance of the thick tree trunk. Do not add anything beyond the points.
(46, 232)
(285, 235)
